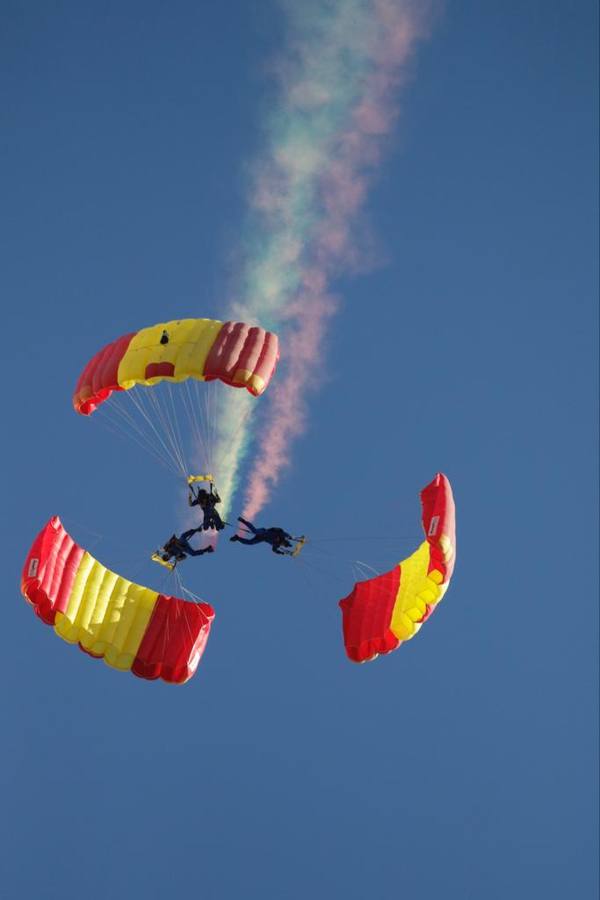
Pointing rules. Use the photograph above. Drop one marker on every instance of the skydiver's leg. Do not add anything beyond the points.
(187, 548)
(218, 521)
(257, 539)
(248, 525)
(187, 534)
(212, 519)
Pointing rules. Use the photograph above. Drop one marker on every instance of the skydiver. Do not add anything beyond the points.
(179, 548)
(207, 503)
(276, 537)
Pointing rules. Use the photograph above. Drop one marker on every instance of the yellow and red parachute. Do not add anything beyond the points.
(129, 626)
(382, 612)
(235, 353)
(187, 426)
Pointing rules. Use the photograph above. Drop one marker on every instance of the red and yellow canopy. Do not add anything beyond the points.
(382, 612)
(129, 626)
(238, 354)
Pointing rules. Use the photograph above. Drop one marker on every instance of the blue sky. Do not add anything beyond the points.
(465, 764)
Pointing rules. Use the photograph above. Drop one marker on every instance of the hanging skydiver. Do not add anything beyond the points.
(207, 502)
(176, 549)
(280, 540)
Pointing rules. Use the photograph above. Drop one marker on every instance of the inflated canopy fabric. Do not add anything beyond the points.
(382, 612)
(130, 626)
(238, 354)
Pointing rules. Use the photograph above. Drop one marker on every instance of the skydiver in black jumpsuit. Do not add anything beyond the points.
(179, 547)
(276, 537)
(207, 503)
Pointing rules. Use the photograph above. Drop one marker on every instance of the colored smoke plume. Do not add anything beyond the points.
(338, 78)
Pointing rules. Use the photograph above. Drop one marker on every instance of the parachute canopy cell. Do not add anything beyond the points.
(382, 612)
(129, 626)
(205, 349)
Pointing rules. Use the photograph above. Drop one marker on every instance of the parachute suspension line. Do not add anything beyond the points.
(123, 558)
(166, 633)
(324, 556)
(136, 419)
(178, 424)
(168, 578)
(161, 410)
(208, 395)
(203, 408)
(97, 537)
(250, 409)
(116, 418)
(199, 444)
(195, 597)
(178, 579)
(321, 571)
(316, 574)
(161, 404)
(403, 537)
(175, 426)
(81, 527)
(190, 421)
(181, 589)
(319, 566)
(138, 402)
(147, 409)
(218, 399)
(312, 585)
(120, 422)
(203, 398)
(364, 566)
(184, 590)
(329, 555)
(192, 401)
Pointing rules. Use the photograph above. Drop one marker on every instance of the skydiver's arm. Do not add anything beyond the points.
(214, 493)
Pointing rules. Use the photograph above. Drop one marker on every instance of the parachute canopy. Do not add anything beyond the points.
(129, 626)
(382, 612)
(205, 349)
(172, 392)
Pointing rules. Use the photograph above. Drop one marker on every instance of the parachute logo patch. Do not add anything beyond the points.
(33, 567)
(433, 526)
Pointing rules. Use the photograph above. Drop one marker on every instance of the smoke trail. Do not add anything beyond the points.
(342, 65)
